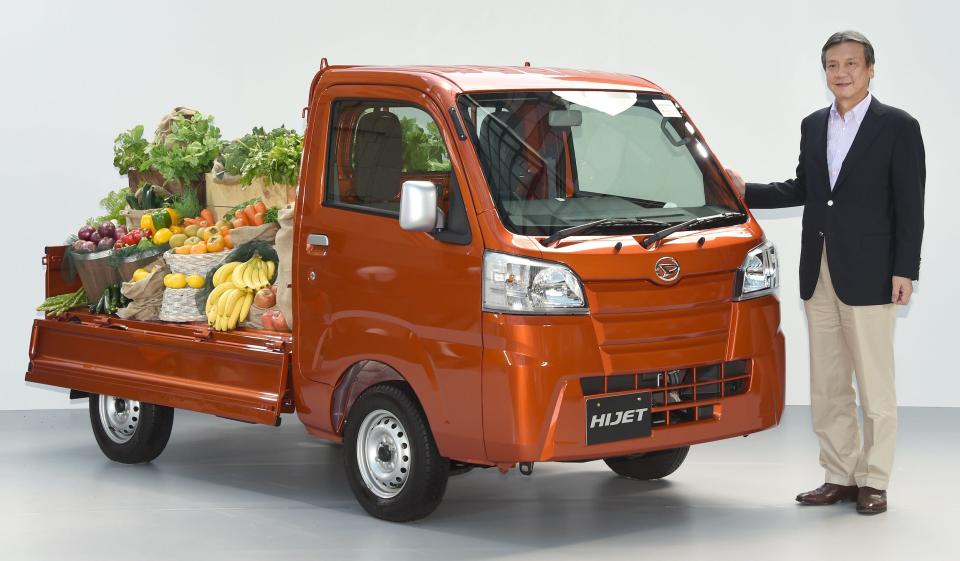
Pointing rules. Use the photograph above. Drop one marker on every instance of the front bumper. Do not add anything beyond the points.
(534, 401)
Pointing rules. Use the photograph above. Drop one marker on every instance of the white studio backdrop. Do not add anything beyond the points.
(76, 74)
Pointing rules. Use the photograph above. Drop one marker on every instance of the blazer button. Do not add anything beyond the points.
(830, 203)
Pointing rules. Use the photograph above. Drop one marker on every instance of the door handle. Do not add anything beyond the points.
(318, 240)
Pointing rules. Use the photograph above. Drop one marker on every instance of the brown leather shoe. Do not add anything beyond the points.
(871, 501)
(828, 494)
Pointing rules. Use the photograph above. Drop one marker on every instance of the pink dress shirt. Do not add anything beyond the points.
(840, 134)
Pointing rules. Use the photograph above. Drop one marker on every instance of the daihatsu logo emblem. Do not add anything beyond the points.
(667, 269)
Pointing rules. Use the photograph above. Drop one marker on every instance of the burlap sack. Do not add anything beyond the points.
(146, 295)
(163, 129)
(265, 233)
(285, 254)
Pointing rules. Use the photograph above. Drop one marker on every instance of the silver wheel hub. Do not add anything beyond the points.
(119, 417)
(383, 454)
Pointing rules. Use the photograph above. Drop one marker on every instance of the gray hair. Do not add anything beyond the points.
(848, 37)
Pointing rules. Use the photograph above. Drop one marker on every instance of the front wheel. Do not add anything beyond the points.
(391, 459)
(129, 432)
(653, 465)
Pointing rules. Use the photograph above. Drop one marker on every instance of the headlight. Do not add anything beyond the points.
(759, 274)
(525, 286)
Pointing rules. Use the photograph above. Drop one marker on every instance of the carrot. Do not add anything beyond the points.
(238, 222)
(207, 215)
(238, 214)
(260, 207)
(258, 219)
(248, 213)
(190, 221)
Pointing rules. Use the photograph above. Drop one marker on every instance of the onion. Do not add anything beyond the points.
(107, 230)
(84, 233)
(95, 237)
(105, 244)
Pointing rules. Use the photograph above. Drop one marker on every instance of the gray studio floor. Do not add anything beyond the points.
(226, 490)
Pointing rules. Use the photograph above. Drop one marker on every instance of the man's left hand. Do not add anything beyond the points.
(902, 289)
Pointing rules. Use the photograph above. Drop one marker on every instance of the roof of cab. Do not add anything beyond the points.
(496, 78)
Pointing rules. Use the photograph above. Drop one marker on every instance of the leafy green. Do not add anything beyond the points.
(186, 203)
(188, 151)
(423, 150)
(130, 151)
(272, 215)
(274, 156)
(113, 203)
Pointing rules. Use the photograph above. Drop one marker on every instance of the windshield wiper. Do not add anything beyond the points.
(689, 224)
(599, 224)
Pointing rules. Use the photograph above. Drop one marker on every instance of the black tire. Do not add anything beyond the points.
(653, 465)
(130, 432)
(384, 410)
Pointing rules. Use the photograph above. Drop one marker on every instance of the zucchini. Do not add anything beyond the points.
(108, 300)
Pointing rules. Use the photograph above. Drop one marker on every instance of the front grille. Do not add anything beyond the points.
(678, 395)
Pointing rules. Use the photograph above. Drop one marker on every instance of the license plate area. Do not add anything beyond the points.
(618, 417)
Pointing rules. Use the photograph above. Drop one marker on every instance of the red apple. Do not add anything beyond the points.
(265, 298)
(266, 321)
(277, 321)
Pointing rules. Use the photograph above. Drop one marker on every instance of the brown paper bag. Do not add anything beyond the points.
(243, 234)
(146, 295)
(285, 268)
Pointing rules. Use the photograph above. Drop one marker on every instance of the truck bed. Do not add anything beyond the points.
(242, 374)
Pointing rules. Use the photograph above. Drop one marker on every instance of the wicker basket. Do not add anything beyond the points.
(194, 264)
(180, 305)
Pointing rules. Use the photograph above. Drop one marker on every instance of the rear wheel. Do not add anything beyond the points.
(391, 459)
(653, 465)
(128, 431)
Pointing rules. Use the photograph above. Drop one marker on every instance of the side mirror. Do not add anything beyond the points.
(418, 207)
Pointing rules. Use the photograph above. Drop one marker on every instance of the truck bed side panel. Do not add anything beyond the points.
(234, 376)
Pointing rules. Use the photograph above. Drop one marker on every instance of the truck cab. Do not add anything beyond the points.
(497, 266)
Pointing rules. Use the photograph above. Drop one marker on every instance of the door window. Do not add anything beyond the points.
(375, 147)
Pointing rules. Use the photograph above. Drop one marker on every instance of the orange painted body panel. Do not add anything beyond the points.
(496, 388)
(241, 376)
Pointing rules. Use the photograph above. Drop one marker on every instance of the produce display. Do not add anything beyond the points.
(160, 214)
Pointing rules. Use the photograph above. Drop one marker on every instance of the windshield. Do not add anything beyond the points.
(559, 159)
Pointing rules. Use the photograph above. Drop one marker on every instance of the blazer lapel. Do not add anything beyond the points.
(818, 134)
(868, 130)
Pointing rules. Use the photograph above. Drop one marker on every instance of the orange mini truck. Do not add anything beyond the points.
(492, 267)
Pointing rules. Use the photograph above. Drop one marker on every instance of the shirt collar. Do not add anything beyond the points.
(858, 111)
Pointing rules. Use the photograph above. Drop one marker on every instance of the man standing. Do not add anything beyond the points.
(860, 179)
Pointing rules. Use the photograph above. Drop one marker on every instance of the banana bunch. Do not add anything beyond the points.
(253, 274)
(234, 286)
(228, 305)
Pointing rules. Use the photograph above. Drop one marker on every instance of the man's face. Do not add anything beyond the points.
(848, 75)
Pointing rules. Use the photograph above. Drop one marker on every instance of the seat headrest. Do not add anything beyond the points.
(378, 157)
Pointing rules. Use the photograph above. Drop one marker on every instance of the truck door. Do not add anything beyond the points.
(371, 291)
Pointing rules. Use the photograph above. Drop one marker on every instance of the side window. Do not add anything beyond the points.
(375, 147)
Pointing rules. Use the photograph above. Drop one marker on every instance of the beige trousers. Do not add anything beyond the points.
(860, 339)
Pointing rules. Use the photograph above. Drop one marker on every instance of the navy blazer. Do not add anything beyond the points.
(872, 220)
